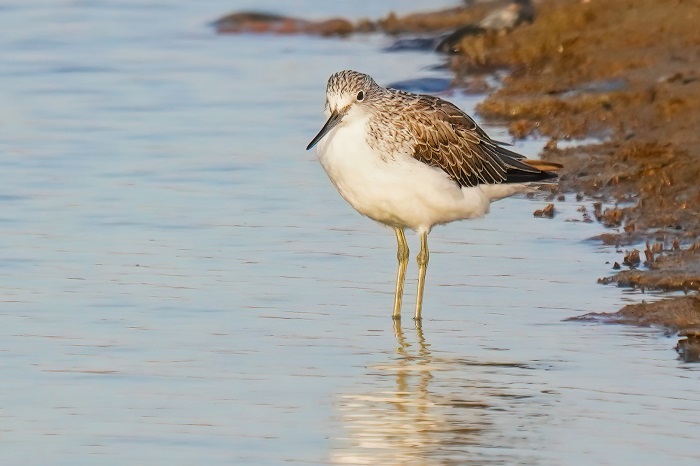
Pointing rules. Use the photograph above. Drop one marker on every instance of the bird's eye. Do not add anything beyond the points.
(360, 96)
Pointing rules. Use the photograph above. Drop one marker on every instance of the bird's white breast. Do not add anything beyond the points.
(394, 188)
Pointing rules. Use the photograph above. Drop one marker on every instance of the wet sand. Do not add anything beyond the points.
(625, 71)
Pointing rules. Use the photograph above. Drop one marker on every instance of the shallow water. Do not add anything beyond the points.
(182, 285)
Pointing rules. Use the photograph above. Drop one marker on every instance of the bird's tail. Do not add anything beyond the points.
(542, 165)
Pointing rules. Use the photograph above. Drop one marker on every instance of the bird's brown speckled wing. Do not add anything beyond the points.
(449, 139)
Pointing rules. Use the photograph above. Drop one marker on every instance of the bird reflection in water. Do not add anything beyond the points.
(408, 414)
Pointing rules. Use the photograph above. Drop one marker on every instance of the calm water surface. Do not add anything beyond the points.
(181, 284)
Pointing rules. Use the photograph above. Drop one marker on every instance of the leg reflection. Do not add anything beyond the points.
(418, 406)
(404, 412)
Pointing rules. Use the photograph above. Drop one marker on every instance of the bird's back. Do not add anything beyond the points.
(439, 134)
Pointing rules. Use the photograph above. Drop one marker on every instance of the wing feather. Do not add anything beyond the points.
(449, 139)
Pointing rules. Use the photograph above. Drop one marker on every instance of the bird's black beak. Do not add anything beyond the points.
(333, 120)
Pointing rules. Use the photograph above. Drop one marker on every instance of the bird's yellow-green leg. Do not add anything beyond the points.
(402, 256)
(422, 259)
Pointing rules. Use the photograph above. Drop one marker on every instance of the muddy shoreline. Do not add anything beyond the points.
(581, 70)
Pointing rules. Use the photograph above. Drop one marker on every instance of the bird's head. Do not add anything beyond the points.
(347, 96)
